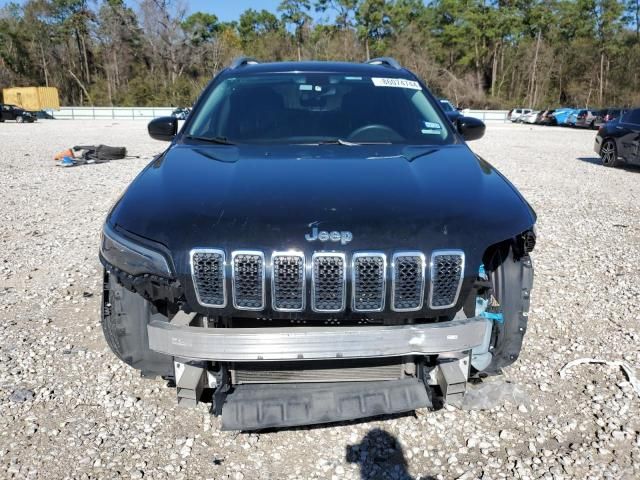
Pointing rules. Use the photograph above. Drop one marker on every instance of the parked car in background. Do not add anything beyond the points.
(516, 113)
(530, 117)
(619, 140)
(584, 118)
(11, 112)
(562, 115)
(572, 118)
(607, 114)
(44, 114)
(547, 118)
(450, 111)
(181, 113)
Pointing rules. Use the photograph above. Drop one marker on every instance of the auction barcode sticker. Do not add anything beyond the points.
(396, 82)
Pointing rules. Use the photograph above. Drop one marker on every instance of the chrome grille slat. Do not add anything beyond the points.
(329, 281)
(208, 275)
(447, 272)
(369, 273)
(408, 281)
(248, 279)
(288, 281)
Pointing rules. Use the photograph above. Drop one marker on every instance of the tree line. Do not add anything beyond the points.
(478, 53)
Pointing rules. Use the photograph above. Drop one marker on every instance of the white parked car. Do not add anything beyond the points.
(515, 114)
(530, 117)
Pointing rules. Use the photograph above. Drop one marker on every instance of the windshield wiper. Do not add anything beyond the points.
(339, 141)
(418, 154)
(216, 140)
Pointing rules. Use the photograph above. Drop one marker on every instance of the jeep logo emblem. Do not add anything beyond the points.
(324, 236)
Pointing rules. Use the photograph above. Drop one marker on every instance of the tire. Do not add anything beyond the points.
(19, 119)
(125, 316)
(609, 153)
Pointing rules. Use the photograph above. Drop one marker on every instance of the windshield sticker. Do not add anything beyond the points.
(309, 88)
(431, 128)
(396, 82)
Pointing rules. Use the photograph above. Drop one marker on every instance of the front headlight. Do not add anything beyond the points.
(131, 257)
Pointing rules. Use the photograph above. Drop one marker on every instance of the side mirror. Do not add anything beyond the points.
(470, 128)
(163, 128)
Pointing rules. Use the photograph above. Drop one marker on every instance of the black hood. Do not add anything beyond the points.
(267, 198)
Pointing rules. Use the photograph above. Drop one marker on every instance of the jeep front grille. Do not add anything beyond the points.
(208, 273)
(369, 275)
(328, 282)
(248, 280)
(407, 281)
(287, 282)
(447, 267)
(289, 279)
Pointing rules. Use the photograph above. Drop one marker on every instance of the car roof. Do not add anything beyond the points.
(321, 67)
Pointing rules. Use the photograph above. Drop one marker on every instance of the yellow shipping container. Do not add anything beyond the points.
(32, 98)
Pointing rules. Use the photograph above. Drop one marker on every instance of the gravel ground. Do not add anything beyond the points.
(70, 409)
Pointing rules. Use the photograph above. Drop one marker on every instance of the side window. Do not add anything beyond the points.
(632, 116)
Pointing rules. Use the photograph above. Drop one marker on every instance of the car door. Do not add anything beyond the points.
(10, 112)
(629, 136)
(634, 141)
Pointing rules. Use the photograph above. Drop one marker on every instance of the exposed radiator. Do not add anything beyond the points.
(306, 372)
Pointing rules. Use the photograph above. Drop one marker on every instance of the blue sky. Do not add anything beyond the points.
(225, 10)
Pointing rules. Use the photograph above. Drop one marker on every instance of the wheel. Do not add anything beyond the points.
(19, 119)
(609, 153)
(125, 316)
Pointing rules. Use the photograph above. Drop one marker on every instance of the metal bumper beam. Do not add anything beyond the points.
(314, 343)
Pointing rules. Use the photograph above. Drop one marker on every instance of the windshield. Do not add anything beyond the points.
(320, 107)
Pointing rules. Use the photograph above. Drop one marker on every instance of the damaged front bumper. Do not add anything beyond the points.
(334, 396)
(179, 339)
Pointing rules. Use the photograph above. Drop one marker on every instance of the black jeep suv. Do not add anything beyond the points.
(317, 243)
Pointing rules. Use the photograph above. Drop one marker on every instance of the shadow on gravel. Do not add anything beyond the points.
(379, 456)
(597, 161)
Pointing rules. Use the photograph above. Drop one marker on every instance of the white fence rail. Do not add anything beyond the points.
(111, 113)
(147, 113)
(488, 116)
